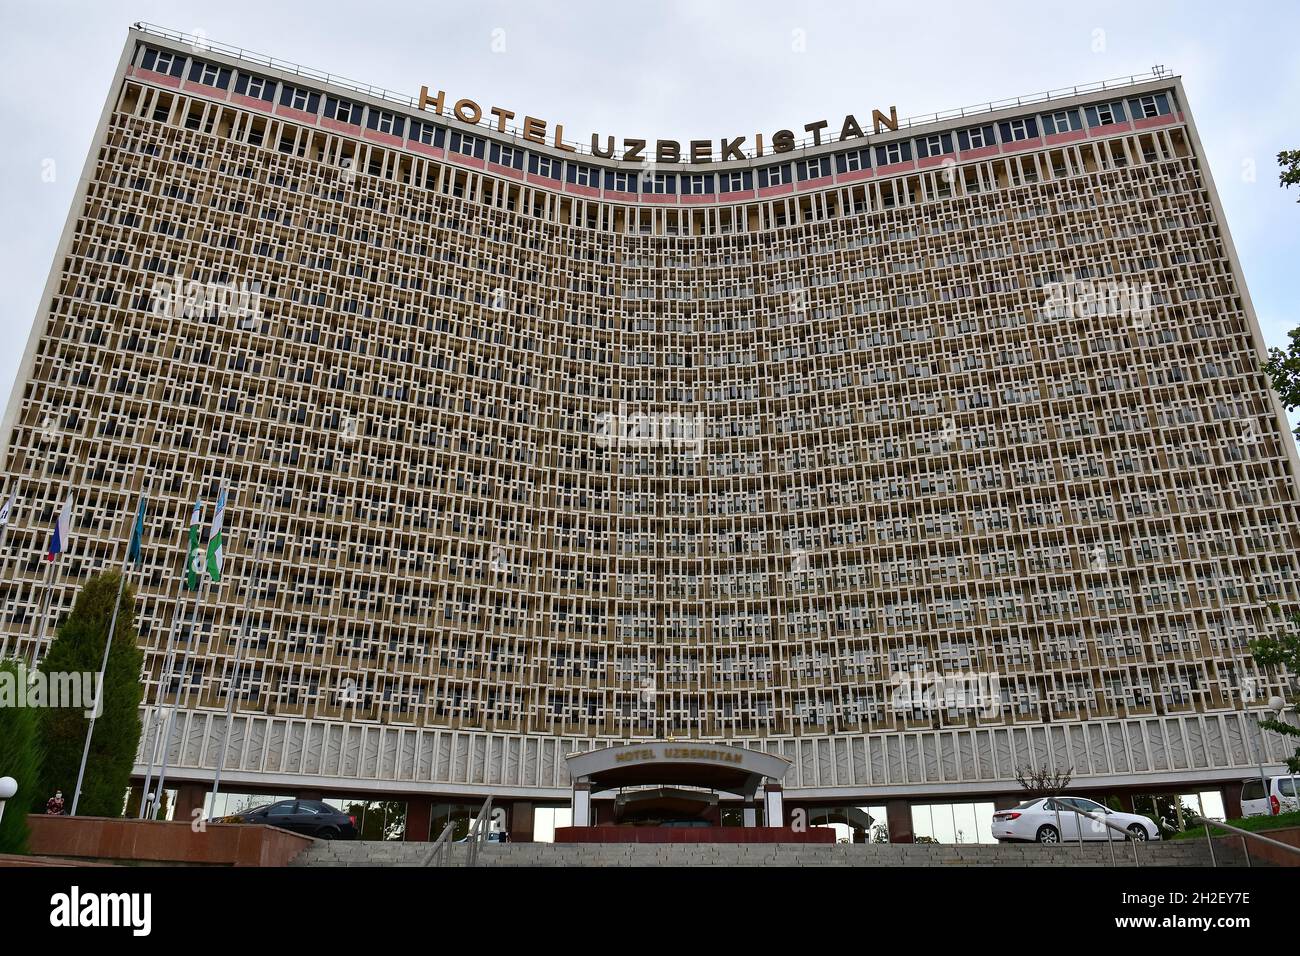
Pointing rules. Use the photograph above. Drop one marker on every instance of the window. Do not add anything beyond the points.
(661, 183)
(698, 185)
(209, 75)
(383, 123)
(1061, 122)
(466, 145)
(258, 87)
(544, 166)
(423, 133)
(584, 176)
(507, 156)
(162, 61)
(1149, 106)
(299, 99)
(980, 137)
(773, 176)
(893, 153)
(343, 111)
(733, 182)
(813, 168)
(621, 182)
(1105, 114)
(1018, 129)
(853, 162)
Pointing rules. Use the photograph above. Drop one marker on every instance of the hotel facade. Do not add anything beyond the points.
(914, 457)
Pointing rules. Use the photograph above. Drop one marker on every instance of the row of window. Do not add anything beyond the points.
(652, 180)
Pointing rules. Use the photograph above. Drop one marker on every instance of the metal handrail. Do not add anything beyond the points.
(200, 42)
(1109, 826)
(478, 833)
(1242, 834)
(441, 850)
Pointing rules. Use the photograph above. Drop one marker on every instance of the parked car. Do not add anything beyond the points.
(1279, 798)
(1053, 819)
(311, 817)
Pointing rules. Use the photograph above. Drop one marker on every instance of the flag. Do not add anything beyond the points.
(62, 527)
(215, 554)
(134, 552)
(194, 557)
(7, 507)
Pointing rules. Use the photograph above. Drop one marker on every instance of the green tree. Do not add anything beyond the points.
(1272, 653)
(1283, 365)
(79, 648)
(1289, 161)
(20, 758)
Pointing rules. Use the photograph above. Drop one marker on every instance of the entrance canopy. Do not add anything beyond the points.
(686, 763)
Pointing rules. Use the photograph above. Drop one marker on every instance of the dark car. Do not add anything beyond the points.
(311, 817)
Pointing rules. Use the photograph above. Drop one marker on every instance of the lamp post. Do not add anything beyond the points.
(8, 787)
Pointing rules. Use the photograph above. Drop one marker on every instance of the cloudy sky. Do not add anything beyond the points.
(681, 70)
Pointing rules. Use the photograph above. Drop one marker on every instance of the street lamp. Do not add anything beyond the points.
(8, 787)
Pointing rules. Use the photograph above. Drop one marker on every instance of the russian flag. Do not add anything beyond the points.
(62, 528)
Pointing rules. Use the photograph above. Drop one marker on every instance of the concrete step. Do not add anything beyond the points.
(1173, 853)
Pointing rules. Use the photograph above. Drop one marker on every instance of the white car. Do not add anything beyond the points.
(1280, 798)
(1053, 819)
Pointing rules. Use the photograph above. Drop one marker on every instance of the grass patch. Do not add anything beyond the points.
(1253, 824)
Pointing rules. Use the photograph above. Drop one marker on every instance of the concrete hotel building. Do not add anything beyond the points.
(868, 442)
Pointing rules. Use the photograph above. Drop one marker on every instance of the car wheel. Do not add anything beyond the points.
(329, 833)
(1137, 832)
(1048, 834)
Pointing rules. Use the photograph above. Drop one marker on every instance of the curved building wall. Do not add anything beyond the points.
(915, 459)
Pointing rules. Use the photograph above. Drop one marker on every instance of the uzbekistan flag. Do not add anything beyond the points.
(216, 555)
(194, 557)
(62, 528)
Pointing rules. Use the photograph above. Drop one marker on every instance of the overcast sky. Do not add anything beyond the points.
(690, 69)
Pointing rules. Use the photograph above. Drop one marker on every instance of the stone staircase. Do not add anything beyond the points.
(1172, 853)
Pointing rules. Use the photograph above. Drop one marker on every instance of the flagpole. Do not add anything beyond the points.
(59, 535)
(108, 644)
(158, 707)
(171, 718)
(42, 623)
(239, 660)
(190, 642)
(4, 535)
(99, 696)
(169, 660)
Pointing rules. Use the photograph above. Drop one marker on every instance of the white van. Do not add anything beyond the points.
(1280, 797)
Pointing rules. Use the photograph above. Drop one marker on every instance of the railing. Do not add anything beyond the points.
(198, 42)
(478, 833)
(1243, 834)
(440, 852)
(1109, 824)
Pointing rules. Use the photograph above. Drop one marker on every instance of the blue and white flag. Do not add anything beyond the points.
(62, 528)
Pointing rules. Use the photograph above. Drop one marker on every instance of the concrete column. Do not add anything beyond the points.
(898, 816)
(419, 811)
(189, 797)
(773, 805)
(1232, 801)
(750, 814)
(582, 805)
(520, 822)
